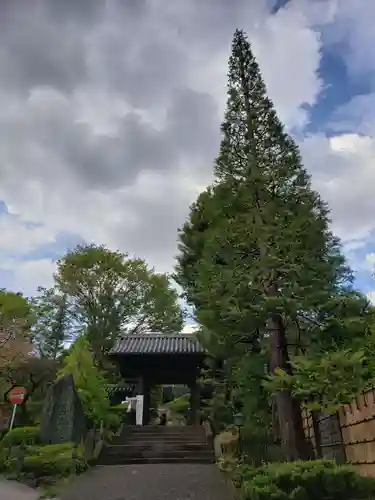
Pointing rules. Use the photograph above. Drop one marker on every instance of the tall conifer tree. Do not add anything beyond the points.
(259, 239)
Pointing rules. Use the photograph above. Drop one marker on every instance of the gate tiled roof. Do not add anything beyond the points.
(154, 343)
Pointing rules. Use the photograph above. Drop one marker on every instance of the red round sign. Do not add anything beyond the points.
(17, 395)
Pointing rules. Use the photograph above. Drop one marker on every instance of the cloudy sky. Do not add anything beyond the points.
(110, 113)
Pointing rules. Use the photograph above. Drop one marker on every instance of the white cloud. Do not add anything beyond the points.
(344, 173)
(104, 139)
(371, 297)
(65, 159)
(27, 275)
(370, 261)
(288, 51)
(19, 237)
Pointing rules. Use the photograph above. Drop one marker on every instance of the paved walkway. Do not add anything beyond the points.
(150, 482)
(11, 490)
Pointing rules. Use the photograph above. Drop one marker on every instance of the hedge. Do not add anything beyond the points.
(21, 436)
(317, 479)
(21, 454)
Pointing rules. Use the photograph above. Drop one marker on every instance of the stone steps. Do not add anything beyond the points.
(147, 438)
(155, 444)
(134, 448)
(156, 460)
(165, 429)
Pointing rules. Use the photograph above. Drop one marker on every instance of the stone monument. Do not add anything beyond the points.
(63, 419)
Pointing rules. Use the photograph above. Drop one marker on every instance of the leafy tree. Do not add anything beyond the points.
(16, 345)
(266, 256)
(338, 364)
(31, 372)
(52, 329)
(89, 380)
(110, 294)
(16, 318)
(18, 365)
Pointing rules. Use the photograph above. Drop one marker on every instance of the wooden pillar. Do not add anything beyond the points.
(194, 403)
(146, 402)
(140, 386)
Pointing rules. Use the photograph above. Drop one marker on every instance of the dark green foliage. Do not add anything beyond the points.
(52, 329)
(259, 442)
(41, 461)
(21, 435)
(220, 410)
(16, 316)
(89, 380)
(335, 362)
(258, 259)
(110, 294)
(54, 460)
(313, 480)
(156, 396)
(180, 406)
(261, 224)
(115, 417)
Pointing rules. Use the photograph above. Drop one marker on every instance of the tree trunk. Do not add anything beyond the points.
(294, 443)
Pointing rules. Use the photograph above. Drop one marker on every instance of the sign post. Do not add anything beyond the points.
(16, 396)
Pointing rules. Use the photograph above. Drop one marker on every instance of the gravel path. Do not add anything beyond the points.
(150, 482)
(11, 490)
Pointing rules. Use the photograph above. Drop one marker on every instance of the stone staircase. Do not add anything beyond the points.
(158, 444)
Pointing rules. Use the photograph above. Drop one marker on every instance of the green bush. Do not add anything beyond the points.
(116, 415)
(21, 436)
(3, 460)
(118, 408)
(54, 460)
(40, 466)
(180, 405)
(43, 461)
(51, 449)
(113, 422)
(319, 479)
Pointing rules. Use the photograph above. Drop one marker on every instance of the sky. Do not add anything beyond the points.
(110, 115)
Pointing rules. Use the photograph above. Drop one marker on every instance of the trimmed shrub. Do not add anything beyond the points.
(51, 449)
(180, 406)
(306, 481)
(3, 460)
(116, 416)
(21, 436)
(54, 460)
(40, 466)
(43, 461)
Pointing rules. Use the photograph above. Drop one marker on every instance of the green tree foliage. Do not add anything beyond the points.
(89, 380)
(338, 364)
(16, 320)
(259, 239)
(329, 381)
(305, 481)
(52, 329)
(35, 375)
(110, 294)
(16, 316)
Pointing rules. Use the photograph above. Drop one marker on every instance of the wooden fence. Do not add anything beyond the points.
(346, 436)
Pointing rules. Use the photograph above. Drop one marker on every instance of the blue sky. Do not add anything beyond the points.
(109, 137)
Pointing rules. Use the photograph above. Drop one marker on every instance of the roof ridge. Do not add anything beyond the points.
(158, 343)
(169, 335)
